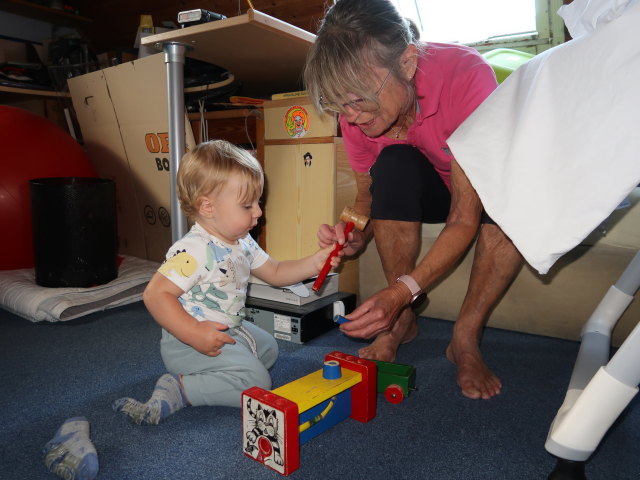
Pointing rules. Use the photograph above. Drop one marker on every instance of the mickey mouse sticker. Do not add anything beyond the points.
(296, 121)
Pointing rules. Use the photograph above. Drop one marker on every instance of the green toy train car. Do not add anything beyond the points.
(395, 380)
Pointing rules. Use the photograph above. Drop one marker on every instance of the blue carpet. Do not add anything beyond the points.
(51, 372)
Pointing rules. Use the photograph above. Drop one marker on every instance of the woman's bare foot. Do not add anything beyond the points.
(474, 377)
(385, 345)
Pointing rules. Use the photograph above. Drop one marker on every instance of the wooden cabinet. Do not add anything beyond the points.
(308, 181)
(301, 189)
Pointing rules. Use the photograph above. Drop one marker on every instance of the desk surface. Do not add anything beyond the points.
(266, 54)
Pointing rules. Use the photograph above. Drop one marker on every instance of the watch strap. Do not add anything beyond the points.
(412, 285)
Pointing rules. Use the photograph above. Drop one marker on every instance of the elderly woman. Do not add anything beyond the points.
(399, 100)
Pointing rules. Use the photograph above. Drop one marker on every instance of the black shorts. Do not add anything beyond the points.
(406, 187)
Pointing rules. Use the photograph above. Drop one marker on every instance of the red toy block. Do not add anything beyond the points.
(364, 394)
(270, 430)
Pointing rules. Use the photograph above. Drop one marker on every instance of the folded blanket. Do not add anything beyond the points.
(20, 295)
(554, 149)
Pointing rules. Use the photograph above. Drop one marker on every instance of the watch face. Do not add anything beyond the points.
(418, 300)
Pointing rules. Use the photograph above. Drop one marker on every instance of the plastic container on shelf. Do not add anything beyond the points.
(504, 61)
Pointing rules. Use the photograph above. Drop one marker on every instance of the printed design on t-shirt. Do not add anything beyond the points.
(227, 272)
(207, 295)
(217, 288)
(195, 311)
(220, 261)
(236, 309)
(215, 254)
(181, 263)
(249, 248)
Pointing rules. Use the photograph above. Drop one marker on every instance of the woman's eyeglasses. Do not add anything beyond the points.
(357, 104)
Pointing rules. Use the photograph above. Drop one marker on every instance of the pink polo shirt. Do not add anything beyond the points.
(451, 81)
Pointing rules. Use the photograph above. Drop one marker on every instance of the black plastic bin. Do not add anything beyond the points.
(74, 231)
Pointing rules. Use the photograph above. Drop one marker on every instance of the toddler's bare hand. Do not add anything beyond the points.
(208, 338)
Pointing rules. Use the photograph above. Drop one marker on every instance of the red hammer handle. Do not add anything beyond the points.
(317, 285)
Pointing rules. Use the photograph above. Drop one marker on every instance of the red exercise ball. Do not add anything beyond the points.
(31, 147)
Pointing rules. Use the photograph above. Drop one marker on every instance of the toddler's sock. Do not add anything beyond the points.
(70, 453)
(167, 398)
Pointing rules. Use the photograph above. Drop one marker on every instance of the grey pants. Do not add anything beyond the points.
(221, 380)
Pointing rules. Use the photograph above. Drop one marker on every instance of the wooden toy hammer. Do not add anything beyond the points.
(351, 219)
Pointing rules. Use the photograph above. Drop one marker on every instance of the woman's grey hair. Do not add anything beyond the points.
(353, 36)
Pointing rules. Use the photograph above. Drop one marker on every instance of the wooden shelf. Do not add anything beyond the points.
(236, 126)
(46, 14)
(265, 54)
(224, 114)
(33, 92)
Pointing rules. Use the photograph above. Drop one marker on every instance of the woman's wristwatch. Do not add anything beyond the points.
(417, 294)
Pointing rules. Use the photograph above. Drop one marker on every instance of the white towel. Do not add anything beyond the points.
(556, 148)
(21, 295)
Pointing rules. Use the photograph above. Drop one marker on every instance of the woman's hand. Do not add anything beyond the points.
(329, 236)
(377, 314)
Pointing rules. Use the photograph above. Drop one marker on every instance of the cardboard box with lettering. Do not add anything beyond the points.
(123, 115)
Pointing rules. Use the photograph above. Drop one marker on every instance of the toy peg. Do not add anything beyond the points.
(351, 219)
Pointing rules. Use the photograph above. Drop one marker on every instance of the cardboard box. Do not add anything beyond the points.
(258, 289)
(115, 57)
(123, 116)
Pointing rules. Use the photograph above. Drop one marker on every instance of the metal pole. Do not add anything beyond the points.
(174, 54)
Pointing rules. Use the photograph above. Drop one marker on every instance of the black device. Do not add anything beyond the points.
(298, 324)
(197, 16)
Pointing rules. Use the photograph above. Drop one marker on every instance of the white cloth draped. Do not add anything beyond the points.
(556, 147)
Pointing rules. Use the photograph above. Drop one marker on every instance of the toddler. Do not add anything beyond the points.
(198, 294)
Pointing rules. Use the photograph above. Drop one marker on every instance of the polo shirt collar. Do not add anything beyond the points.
(429, 83)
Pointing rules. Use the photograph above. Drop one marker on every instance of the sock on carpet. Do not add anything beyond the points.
(70, 453)
(167, 398)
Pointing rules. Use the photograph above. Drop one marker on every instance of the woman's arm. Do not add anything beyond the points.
(459, 231)
(380, 311)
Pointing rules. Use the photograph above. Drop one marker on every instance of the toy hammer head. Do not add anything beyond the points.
(351, 219)
(349, 215)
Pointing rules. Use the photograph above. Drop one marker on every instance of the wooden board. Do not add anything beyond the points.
(33, 92)
(266, 54)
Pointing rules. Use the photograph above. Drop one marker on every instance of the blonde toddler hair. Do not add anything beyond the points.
(206, 168)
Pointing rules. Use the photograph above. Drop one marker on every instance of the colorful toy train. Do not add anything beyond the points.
(275, 423)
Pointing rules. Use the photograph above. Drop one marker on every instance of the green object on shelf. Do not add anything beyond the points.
(505, 60)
